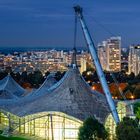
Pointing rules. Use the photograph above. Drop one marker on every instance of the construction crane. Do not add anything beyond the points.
(91, 46)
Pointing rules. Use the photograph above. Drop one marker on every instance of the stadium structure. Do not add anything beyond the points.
(56, 112)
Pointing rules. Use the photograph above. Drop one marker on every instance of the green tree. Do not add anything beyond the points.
(138, 76)
(3, 74)
(36, 78)
(24, 76)
(58, 75)
(92, 130)
(137, 110)
(47, 73)
(131, 76)
(128, 129)
(137, 91)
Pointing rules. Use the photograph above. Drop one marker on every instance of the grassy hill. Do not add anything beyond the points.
(11, 138)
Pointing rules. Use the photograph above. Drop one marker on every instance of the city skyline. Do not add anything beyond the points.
(50, 23)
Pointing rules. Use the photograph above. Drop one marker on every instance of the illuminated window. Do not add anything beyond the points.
(110, 124)
(51, 125)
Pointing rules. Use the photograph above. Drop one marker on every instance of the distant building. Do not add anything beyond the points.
(124, 59)
(134, 59)
(110, 54)
(102, 55)
(83, 65)
(55, 112)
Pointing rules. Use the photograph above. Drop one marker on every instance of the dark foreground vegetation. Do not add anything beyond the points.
(11, 138)
(31, 80)
(127, 129)
(129, 84)
(92, 130)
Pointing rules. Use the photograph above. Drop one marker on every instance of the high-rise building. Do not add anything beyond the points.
(134, 59)
(110, 54)
(124, 59)
(83, 65)
(114, 54)
(102, 54)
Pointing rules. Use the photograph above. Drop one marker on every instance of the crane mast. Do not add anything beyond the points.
(91, 46)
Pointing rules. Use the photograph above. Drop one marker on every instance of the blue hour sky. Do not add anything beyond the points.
(51, 22)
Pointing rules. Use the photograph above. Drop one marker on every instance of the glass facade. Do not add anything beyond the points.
(4, 122)
(110, 124)
(47, 126)
(54, 125)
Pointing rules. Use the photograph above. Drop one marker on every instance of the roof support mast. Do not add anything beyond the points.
(78, 12)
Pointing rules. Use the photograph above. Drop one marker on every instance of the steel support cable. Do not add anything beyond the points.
(104, 28)
(75, 41)
(112, 75)
(92, 48)
(115, 80)
(75, 31)
(74, 62)
(117, 84)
